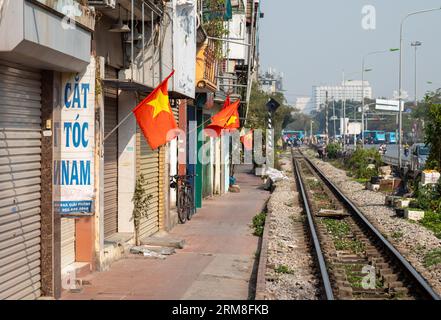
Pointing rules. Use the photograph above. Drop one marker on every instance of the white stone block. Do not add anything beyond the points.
(413, 214)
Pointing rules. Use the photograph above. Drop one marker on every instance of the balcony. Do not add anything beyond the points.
(74, 9)
(206, 68)
(47, 34)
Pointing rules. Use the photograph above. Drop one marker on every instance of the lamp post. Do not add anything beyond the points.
(416, 44)
(400, 95)
(363, 70)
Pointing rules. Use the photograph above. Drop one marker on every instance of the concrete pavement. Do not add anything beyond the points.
(218, 261)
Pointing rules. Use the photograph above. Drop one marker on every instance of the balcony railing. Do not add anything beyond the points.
(77, 10)
(206, 67)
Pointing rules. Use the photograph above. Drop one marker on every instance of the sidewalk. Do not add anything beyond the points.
(218, 261)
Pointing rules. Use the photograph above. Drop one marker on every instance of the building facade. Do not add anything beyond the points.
(271, 81)
(349, 90)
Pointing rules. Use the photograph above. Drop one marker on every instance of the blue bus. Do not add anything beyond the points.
(374, 136)
(391, 137)
(296, 134)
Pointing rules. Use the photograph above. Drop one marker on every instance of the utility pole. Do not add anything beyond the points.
(333, 117)
(344, 112)
(326, 119)
(416, 44)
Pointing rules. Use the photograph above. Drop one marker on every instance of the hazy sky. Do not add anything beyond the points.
(313, 41)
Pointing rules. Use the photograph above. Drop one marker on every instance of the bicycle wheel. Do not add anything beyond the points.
(182, 208)
(190, 207)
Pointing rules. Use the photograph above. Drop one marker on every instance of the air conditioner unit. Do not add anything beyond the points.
(111, 4)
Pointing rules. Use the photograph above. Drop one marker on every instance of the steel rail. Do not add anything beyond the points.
(424, 287)
(321, 260)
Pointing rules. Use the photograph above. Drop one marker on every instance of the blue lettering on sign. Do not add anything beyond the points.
(77, 134)
(79, 90)
(72, 173)
(65, 207)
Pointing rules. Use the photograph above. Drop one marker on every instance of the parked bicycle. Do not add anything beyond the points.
(184, 196)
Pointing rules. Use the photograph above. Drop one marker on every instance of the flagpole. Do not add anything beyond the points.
(119, 125)
(131, 112)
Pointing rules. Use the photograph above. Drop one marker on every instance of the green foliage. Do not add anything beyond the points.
(259, 224)
(359, 161)
(141, 204)
(283, 269)
(397, 235)
(258, 115)
(338, 228)
(433, 133)
(333, 150)
(428, 198)
(214, 23)
(432, 221)
(432, 258)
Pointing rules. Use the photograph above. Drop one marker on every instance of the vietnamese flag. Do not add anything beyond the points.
(227, 102)
(155, 117)
(247, 140)
(227, 118)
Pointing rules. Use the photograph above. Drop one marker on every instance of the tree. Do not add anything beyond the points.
(258, 114)
(433, 131)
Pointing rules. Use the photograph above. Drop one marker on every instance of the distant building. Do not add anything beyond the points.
(304, 105)
(349, 90)
(271, 81)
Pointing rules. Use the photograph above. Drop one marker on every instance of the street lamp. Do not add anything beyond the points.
(400, 95)
(363, 70)
(416, 44)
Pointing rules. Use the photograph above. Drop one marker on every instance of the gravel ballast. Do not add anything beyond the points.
(411, 239)
(290, 273)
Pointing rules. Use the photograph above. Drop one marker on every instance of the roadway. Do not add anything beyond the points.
(391, 151)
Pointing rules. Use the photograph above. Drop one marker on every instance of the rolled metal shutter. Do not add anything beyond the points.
(20, 182)
(148, 165)
(175, 109)
(110, 157)
(67, 242)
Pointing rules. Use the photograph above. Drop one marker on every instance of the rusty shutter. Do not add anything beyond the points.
(148, 165)
(110, 157)
(67, 242)
(20, 182)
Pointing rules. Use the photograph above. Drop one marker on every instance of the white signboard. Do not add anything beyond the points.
(354, 128)
(74, 143)
(388, 105)
(184, 47)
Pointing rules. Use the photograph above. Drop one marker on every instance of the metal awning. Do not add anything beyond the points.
(131, 85)
(127, 85)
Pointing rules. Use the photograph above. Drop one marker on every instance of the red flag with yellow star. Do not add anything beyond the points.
(227, 102)
(155, 117)
(247, 140)
(227, 118)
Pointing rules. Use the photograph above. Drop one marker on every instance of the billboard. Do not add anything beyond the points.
(388, 105)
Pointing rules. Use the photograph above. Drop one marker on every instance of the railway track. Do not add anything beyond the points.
(355, 261)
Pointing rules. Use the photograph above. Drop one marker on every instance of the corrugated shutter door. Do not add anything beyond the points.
(148, 165)
(175, 110)
(67, 242)
(110, 158)
(20, 178)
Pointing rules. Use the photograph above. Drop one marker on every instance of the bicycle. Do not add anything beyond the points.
(184, 196)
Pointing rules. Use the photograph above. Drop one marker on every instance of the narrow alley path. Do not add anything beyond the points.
(218, 260)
